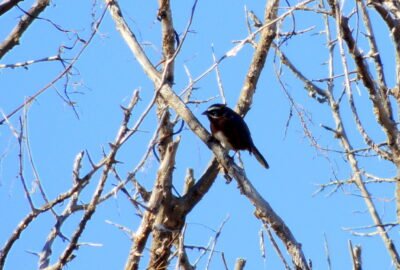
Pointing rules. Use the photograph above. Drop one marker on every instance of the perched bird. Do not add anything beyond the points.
(231, 131)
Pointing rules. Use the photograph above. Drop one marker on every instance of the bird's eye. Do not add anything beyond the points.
(216, 113)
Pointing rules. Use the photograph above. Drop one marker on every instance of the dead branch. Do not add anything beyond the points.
(269, 218)
(219, 80)
(183, 260)
(374, 49)
(390, 14)
(214, 242)
(61, 74)
(166, 224)
(107, 163)
(268, 33)
(381, 104)
(384, 117)
(276, 247)
(327, 253)
(21, 166)
(314, 90)
(46, 207)
(168, 37)
(14, 37)
(31, 62)
(240, 263)
(355, 253)
(161, 185)
(265, 212)
(7, 5)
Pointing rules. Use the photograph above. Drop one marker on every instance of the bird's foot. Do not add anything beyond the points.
(227, 177)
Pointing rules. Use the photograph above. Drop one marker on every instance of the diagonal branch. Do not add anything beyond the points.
(131, 40)
(314, 90)
(394, 28)
(7, 5)
(382, 105)
(344, 35)
(265, 211)
(376, 56)
(268, 33)
(14, 37)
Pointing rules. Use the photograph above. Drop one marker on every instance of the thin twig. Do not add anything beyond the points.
(219, 81)
(61, 74)
(214, 242)
(276, 247)
(327, 253)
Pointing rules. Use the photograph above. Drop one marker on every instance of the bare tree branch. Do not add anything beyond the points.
(264, 211)
(381, 104)
(240, 263)
(7, 5)
(168, 36)
(61, 74)
(268, 33)
(161, 185)
(214, 242)
(14, 37)
(276, 247)
(46, 207)
(107, 163)
(355, 253)
(384, 117)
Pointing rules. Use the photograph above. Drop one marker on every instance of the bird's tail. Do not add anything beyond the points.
(259, 157)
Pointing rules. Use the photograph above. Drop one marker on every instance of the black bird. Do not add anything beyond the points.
(231, 131)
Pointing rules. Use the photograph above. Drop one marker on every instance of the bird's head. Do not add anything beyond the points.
(216, 111)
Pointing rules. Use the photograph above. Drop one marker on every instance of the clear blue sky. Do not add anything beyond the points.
(105, 77)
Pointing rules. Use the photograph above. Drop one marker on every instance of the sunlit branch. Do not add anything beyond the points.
(14, 37)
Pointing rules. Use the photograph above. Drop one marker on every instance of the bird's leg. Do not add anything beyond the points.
(222, 168)
(239, 158)
(224, 171)
(227, 177)
(241, 164)
(236, 152)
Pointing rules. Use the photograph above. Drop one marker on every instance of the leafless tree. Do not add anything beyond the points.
(350, 41)
(350, 38)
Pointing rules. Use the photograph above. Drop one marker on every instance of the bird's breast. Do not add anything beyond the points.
(223, 140)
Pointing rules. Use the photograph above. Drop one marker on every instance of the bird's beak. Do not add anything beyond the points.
(205, 113)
